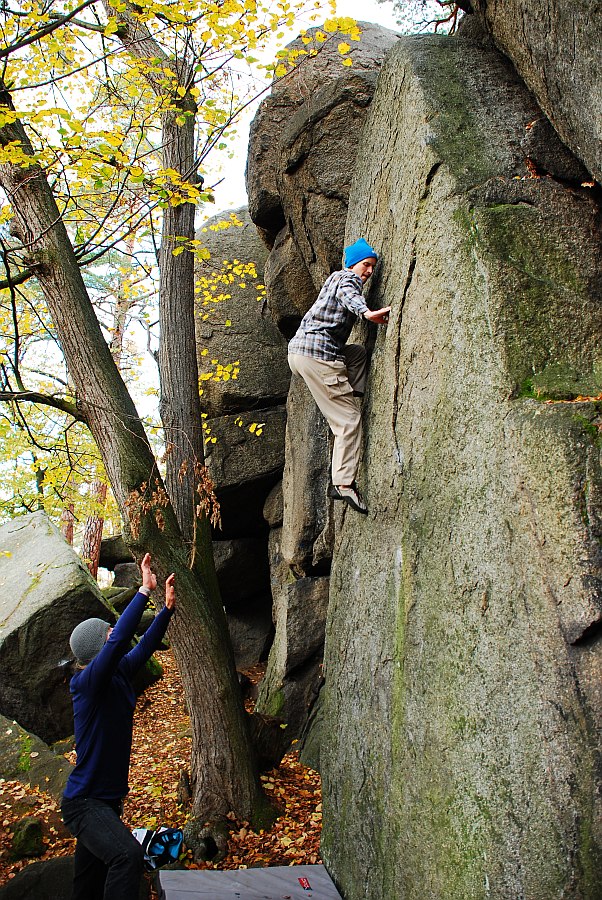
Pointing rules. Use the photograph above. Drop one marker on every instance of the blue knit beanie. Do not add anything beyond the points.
(355, 253)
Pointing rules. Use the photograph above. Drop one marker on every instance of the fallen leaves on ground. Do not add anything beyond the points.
(294, 838)
(160, 752)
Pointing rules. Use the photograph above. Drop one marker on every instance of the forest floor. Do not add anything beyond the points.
(160, 753)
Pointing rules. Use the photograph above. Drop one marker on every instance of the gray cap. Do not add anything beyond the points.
(88, 638)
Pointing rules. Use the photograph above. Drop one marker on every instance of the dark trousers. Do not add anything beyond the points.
(108, 858)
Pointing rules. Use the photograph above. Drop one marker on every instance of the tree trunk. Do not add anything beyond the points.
(123, 305)
(222, 765)
(93, 530)
(67, 522)
(178, 370)
(180, 405)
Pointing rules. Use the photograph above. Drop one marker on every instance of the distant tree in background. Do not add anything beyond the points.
(428, 15)
(48, 458)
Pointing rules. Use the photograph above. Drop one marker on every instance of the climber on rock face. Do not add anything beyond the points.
(334, 371)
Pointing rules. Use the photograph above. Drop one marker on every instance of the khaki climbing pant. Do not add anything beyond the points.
(332, 385)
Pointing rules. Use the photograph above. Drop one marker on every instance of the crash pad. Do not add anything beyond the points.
(275, 883)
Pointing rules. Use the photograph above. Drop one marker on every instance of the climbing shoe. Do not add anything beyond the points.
(350, 495)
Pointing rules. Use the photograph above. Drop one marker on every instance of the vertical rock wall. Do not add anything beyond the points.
(302, 152)
(464, 639)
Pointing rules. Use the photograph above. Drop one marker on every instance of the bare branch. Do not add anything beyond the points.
(14, 280)
(81, 23)
(45, 400)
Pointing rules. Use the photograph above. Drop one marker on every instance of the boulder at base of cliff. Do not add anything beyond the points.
(46, 592)
(114, 550)
(26, 758)
(51, 879)
(28, 838)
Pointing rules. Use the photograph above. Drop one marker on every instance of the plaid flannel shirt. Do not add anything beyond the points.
(325, 328)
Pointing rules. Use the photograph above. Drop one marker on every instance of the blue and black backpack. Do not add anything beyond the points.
(161, 846)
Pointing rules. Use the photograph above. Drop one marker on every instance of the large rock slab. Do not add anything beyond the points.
(45, 592)
(233, 324)
(248, 447)
(300, 621)
(294, 672)
(464, 640)
(289, 287)
(302, 147)
(274, 113)
(318, 148)
(48, 880)
(555, 47)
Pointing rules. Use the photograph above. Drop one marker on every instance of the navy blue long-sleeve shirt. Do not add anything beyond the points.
(103, 706)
